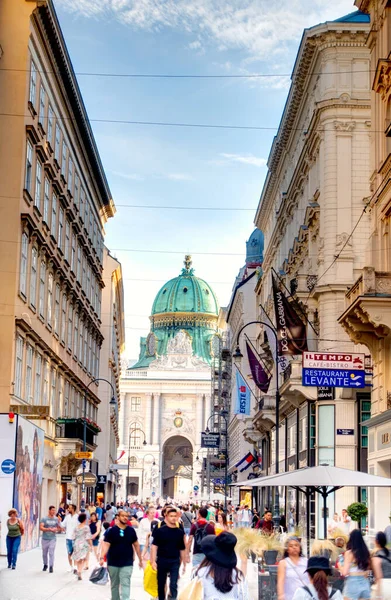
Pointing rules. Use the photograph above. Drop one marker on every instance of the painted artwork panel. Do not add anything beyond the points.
(7, 453)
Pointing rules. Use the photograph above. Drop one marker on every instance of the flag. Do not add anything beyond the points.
(260, 377)
(271, 338)
(120, 456)
(291, 331)
(245, 462)
(242, 396)
(245, 458)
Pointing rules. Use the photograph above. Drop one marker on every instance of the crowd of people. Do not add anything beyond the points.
(174, 538)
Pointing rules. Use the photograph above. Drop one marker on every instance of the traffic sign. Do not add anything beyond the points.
(153, 494)
(8, 466)
(86, 455)
(196, 488)
(334, 360)
(102, 479)
(90, 479)
(333, 378)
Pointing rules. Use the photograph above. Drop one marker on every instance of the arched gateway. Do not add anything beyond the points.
(177, 473)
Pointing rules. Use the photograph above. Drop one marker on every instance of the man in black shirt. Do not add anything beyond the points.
(118, 544)
(168, 550)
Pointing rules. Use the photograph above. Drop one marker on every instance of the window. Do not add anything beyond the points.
(64, 159)
(60, 227)
(88, 290)
(46, 371)
(53, 390)
(29, 166)
(70, 175)
(23, 264)
(76, 335)
(50, 300)
(42, 105)
(42, 278)
(84, 273)
(18, 366)
(37, 385)
(77, 190)
(66, 399)
(135, 404)
(70, 326)
(97, 359)
(50, 125)
(67, 240)
(326, 434)
(132, 462)
(89, 358)
(82, 202)
(33, 83)
(57, 309)
(93, 357)
(73, 252)
(38, 185)
(29, 373)
(57, 143)
(63, 317)
(59, 407)
(135, 435)
(86, 214)
(365, 415)
(94, 235)
(46, 200)
(78, 274)
(72, 395)
(53, 224)
(33, 277)
(81, 333)
(85, 347)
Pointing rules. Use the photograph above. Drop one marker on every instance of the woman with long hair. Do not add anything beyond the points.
(95, 527)
(221, 523)
(381, 564)
(218, 572)
(318, 588)
(291, 573)
(81, 543)
(356, 567)
(15, 529)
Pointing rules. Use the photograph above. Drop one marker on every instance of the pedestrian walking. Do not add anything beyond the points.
(218, 572)
(168, 551)
(318, 569)
(381, 562)
(221, 523)
(82, 544)
(119, 543)
(49, 526)
(144, 527)
(266, 524)
(15, 531)
(356, 567)
(69, 524)
(62, 511)
(255, 519)
(187, 519)
(245, 516)
(95, 527)
(291, 573)
(198, 531)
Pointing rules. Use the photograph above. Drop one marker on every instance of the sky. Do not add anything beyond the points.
(194, 168)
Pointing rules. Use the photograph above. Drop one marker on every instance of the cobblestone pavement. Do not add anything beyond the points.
(29, 582)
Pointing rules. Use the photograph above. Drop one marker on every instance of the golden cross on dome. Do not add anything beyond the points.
(187, 262)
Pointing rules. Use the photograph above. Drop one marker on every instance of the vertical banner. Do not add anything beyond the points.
(292, 336)
(260, 377)
(243, 395)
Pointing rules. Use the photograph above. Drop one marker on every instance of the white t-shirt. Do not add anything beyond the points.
(302, 594)
(238, 592)
(142, 530)
(245, 515)
(345, 526)
(69, 524)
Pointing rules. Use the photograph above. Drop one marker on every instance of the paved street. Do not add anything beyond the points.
(28, 582)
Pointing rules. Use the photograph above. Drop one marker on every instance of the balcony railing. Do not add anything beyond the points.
(371, 283)
(74, 429)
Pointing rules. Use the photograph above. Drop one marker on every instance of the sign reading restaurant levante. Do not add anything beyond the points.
(333, 369)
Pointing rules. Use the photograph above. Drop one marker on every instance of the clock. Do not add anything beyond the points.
(151, 344)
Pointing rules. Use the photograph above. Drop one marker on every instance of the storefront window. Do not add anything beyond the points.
(364, 416)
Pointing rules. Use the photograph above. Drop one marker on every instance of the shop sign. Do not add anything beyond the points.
(210, 440)
(102, 479)
(37, 411)
(336, 361)
(333, 378)
(345, 431)
(90, 479)
(326, 393)
(66, 478)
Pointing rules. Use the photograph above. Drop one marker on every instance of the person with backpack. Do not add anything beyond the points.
(200, 529)
(318, 568)
(187, 519)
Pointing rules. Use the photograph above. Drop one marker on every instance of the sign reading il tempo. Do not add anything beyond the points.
(326, 369)
(210, 440)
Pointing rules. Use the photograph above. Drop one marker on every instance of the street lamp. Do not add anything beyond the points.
(237, 356)
(112, 402)
(223, 414)
(144, 444)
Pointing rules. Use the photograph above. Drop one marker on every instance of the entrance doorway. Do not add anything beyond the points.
(178, 468)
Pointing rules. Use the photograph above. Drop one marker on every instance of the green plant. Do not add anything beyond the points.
(356, 511)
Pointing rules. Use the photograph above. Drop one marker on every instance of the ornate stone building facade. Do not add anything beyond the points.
(311, 212)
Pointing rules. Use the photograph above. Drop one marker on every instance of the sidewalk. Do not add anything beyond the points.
(29, 582)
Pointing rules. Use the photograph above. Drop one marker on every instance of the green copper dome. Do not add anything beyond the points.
(186, 294)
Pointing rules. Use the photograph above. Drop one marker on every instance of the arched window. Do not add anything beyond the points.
(133, 462)
(135, 435)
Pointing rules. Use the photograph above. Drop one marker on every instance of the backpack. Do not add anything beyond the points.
(199, 535)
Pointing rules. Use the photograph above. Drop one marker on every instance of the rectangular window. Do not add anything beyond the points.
(94, 235)
(67, 240)
(135, 403)
(46, 201)
(60, 227)
(33, 84)
(57, 309)
(78, 274)
(70, 175)
(73, 252)
(50, 300)
(93, 357)
(84, 273)
(86, 214)
(53, 224)
(66, 399)
(326, 434)
(64, 159)
(63, 317)
(33, 277)
(365, 415)
(18, 366)
(42, 105)
(50, 125)
(82, 202)
(88, 290)
(72, 404)
(92, 290)
(76, 335)
(70, 326)
(57, 143)
(38, 185)
(85, 337)
(23, 264)
(37, 384)
(81, 333)
(42, 279)
(77, 190)
(97, 357)
(53, 392)
(29, 374)
(46, 371)
(89, 352)
(59, 406)
(29, 166)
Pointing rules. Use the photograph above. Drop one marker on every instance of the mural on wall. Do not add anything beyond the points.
(28, 480)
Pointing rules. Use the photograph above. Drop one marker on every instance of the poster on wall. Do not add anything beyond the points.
(28, 479)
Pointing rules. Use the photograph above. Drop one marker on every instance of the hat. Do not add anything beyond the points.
(220, 549)
(318, 563)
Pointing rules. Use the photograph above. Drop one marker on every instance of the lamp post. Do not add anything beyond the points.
(223, 414)
(237, 356)
(144, 444)
(113, 402)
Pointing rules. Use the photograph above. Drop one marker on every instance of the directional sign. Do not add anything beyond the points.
(333, 360)
(102, 479)
(153, 494)
(196, 488)
(8, 466)
(333, 378)
(210, 440)
(90, 479)
(81, 455)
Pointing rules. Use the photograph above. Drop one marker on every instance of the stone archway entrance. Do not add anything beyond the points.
(177, 473)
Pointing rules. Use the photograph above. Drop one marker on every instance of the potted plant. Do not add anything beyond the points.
(357, 511)
(324, 548)
(271, 547)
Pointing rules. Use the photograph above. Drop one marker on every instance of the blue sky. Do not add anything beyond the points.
(188, 167)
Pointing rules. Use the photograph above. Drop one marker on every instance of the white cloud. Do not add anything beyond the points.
(245, 159)
(131, 176)
(258, 27)
(179, 177)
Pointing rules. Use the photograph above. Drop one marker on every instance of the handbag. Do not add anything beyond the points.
(192, 591)
(150, 580)
(99, 576)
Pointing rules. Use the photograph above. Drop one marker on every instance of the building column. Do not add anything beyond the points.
(158, 399)
(148, 414)
(199, 420)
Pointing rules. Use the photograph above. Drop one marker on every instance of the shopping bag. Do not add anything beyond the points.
(193, 590)
(99, 576)
(150, 580)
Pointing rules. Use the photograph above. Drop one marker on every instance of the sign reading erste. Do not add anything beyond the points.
(333, 369)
